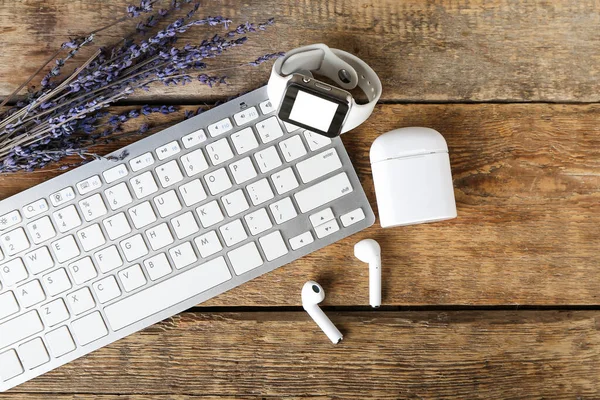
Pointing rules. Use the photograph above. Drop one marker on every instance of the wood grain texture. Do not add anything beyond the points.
(527, 185)
(501, 50)
(387, 355)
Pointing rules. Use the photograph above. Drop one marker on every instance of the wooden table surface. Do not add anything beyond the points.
(502, 302)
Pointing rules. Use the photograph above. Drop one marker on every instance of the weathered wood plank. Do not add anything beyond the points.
(391, 355)
(423, 51)
(527, 184)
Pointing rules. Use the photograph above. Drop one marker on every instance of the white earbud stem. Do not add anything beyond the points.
(312, 295)
(369, 251)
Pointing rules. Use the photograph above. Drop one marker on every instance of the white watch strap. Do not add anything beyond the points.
(322, 60)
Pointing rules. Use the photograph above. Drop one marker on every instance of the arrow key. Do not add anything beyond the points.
(352, 217)
(301, 240)
(321, 217)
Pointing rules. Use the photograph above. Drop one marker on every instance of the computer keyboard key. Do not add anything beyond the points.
(219, 151)
(184, 225)
(352, 217)
(194, 138)
(208, 244)
(266, 107)
(242, 170)
(81, 301)
(321, 217)
(10, 365)
(319, 165)
(183, 255)
(93, 207)
(327, 228)
(89, 328)
(41, 230)
(14, 242)
(323, 192)
(118, 196)
(217, 181)
(65, 249)
(62, 196)
(106, 289)
(194, 162)
(108, 259)
(167, 203)
(245, 258)
(233, 232)
(269, 129)
(316, 141)
(132, 278)
(142, 215)
(8, 305)
(169, 174)
(141, 162)
(273, 245)
(33, 353)
(244, 140)
(284, 180)
(13, 272)
(157, 266)
(192, 192)
(301, 240)
(292, 148)
(36, 208)
(91, 237)
(10, 219)
(87, 185)
(168, 150)
(83, 270)
(220, 127)
(66, 218)
(235, 202)
(283, 210)
(60, 341)
(290, 127)
(267, 159)
(143, 185)
(159, 236)
(167, 293)
(260, 191)
(57, 282)
(19, 328)
(134, 248)
(245, 116)
(209, 214)
(258, 221)
(115, 173)
(31, 294)
(55, 312)
(116, 226)
(38, 260)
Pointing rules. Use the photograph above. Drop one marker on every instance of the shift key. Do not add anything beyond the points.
(19, 328)
(323, 192)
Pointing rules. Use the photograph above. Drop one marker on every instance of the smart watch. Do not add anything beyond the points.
(320, 107)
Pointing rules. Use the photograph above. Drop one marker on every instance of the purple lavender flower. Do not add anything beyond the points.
(66, 117)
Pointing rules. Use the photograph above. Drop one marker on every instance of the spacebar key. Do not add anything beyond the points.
(168, 293)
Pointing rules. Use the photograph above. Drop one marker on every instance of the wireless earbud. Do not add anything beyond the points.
(368, 251)
(312, 295)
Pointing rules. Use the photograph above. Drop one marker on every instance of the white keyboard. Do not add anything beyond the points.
(110, 248)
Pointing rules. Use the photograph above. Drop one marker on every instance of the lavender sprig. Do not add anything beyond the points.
(64, 118)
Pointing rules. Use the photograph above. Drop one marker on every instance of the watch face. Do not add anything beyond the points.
(314, 110)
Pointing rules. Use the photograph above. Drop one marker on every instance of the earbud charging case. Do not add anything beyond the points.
(412, 176)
